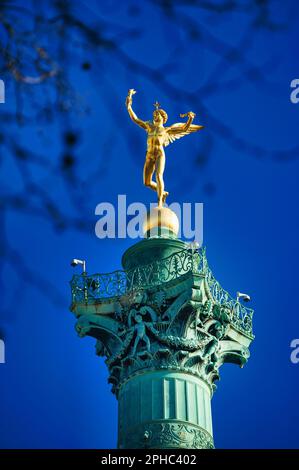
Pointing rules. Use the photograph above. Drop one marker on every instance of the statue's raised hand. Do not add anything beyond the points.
(129, 99)
(189, 114)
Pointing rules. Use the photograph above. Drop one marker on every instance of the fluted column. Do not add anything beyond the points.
(165, 326)
(164, 409)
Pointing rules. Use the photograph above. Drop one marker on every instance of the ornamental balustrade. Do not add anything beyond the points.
(98, 288)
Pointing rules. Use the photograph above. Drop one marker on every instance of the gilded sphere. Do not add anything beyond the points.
(161, 218)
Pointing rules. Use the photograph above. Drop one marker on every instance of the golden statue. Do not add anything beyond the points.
(158, 137)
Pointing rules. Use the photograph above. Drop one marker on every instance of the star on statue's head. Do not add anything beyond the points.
(157, 105)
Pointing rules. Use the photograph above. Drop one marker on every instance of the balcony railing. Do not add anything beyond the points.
(90, 289)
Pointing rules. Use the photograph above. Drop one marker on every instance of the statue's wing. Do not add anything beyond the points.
(176, 131)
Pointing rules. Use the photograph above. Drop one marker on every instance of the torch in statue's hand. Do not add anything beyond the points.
(131, 92)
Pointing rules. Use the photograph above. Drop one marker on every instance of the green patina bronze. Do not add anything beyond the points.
(165, 326)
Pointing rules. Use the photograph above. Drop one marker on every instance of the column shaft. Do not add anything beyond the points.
(163, 409)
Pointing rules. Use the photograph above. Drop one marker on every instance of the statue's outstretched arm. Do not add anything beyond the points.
(180, 129)
(184, 127)
(132, 115)
(191, 117)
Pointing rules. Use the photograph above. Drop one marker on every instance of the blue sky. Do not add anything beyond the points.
(233, 68)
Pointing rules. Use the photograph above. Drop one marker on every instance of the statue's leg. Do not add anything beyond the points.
(160, 166)
(148, 171)
(135, 345)
(147, 342)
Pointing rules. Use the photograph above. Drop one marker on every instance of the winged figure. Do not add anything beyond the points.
(159, 137)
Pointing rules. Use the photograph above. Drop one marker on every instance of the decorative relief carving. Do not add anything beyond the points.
(181, 327)
(168, 435)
